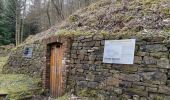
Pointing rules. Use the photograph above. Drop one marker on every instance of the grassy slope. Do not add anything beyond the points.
(2, 61)
(134, 18)
(17, 86)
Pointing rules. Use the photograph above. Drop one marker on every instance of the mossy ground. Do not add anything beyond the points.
(17, 85)
(65, 97)
(2, 61)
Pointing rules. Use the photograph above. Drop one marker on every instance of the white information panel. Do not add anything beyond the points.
(119, 51)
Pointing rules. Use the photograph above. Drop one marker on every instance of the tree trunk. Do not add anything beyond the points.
(23, 20)
(58, 10)
(18, 22)
(48, 14)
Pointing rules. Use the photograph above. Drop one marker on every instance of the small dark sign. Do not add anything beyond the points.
(28, 52)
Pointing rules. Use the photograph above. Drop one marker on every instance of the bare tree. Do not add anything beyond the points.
(42, 14)
(23, 19)
(58, 10)
(48, 14)
(18, 21)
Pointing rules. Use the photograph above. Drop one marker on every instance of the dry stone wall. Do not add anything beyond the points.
(86, 75)
(147, 79)
(33, 66)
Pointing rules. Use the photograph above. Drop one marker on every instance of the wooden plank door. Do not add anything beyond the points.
(56, 85)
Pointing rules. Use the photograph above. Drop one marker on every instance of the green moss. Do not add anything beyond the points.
(65, 97)
(87, 93)
(73, 18)
(137, 91)
(19, 86)
(66, 33)
(166, 11)
(97, 5)
(104, 33)
(2, 62)
(157, 97)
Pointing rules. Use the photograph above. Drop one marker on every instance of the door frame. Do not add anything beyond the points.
(66, 45)
(56, 81)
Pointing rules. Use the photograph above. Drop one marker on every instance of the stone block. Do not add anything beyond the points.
(98, 78)
(82, 83)
(73, 71)
(80, 44)
(75, 44)
(151, 89)
(163, 63)
(156, 96)
(142, 54)
(92, 57)
(130, 77)
(81, 38)
(156, 48)
(138, 87)
(149, 60)
(138, 60)
(98, 37)
(128, 68)
(136, 97)
(90, 77)
(164, 89)
(113, 71)
(80, 78)
(143, 98)
(83, 51)
(111, 81)
(159, 76)
(125, 84)
(145, 84)
(154, 77)
(93, 85)
(85, 66)
(102, 43)
(117, 91)
(113, 98)
(168, 83)
(134, 91)
(97, 43)
(73, 51)
(148, 68)
(159, 55)
(90, 44)
(167, 98)
(80, 70)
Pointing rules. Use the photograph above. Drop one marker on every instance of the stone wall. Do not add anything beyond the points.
(147, 79)
(86, 74)
(33, 66)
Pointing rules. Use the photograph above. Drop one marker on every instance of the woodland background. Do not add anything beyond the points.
(21, 18)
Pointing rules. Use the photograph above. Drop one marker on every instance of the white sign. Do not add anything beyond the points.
(119, 51)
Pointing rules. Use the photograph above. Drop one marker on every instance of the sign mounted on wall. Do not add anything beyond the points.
(28, 52)
(119, 51)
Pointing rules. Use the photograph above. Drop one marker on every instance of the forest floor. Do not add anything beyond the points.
(17, 85)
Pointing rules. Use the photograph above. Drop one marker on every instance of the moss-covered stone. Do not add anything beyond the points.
(136, 91)
(87, 92)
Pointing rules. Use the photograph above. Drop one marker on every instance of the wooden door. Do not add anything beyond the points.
(56, 86)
